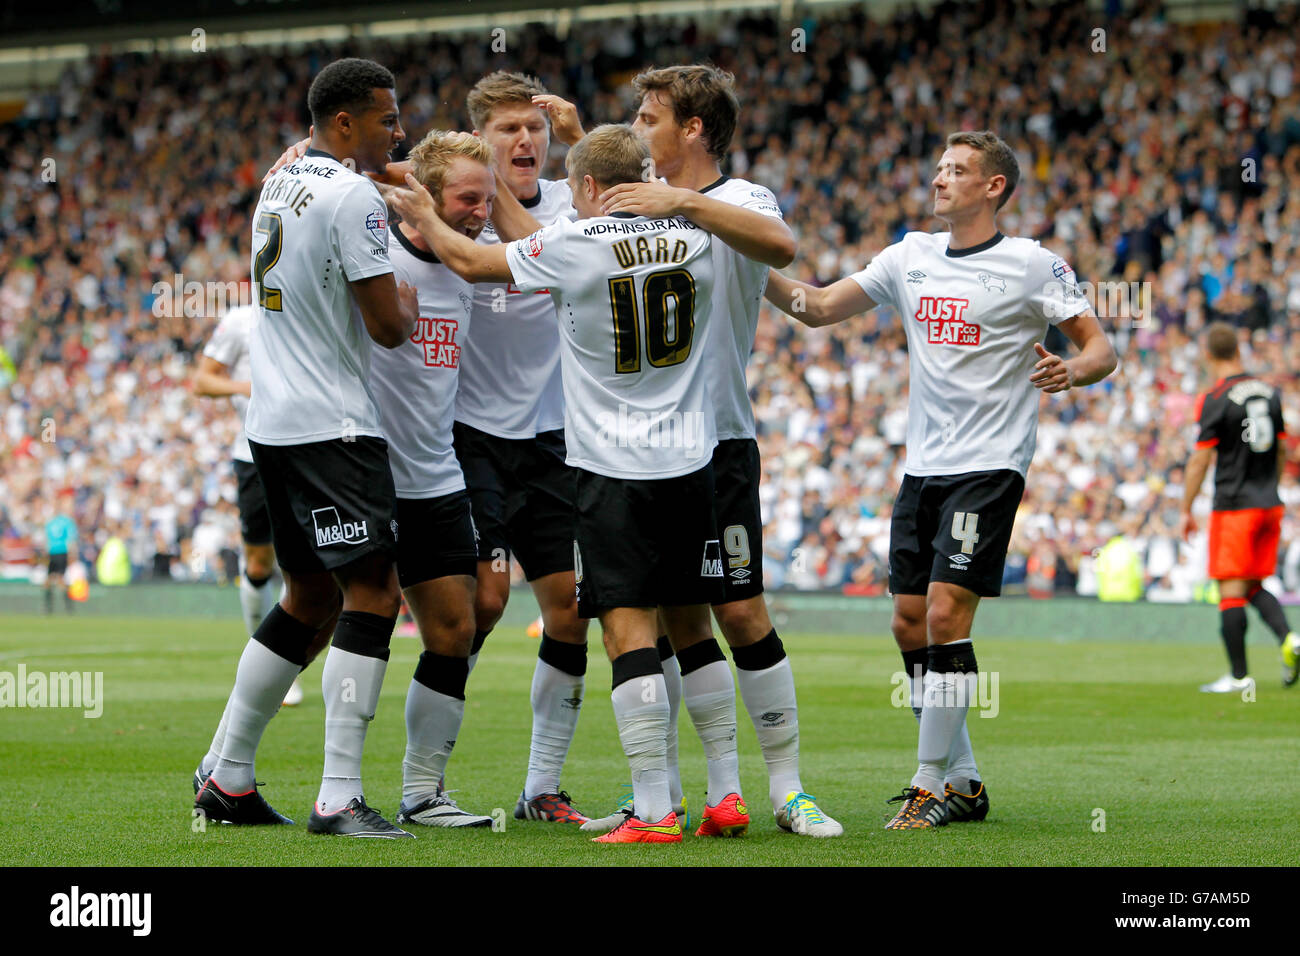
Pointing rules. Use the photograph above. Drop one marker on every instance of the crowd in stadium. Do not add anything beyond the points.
(1154, 153)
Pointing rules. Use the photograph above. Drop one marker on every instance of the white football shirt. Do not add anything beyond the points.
(972, 320)
(415, 384)
(510, 378)
(739, 283)
(229, 346)
(317, 227)
(634, 299)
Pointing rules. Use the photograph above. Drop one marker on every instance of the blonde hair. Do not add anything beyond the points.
(433, 155)
(610, 154)
(497, 89)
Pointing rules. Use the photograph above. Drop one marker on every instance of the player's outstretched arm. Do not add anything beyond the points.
(817, 306)
(511, 219)
(565, 126)
(459, 253)
(1096, 358)
(764, 239)
(212, 379)
(389, 309)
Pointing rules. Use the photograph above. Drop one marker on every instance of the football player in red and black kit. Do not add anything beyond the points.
(1240, 420)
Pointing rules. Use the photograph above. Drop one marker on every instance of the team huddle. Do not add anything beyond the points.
(555, 370)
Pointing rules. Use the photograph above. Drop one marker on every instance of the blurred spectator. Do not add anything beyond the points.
(1170, 162)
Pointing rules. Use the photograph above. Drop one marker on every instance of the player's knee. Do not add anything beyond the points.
(489, 605)
(946, 621)
(259, 562)
(453, 635)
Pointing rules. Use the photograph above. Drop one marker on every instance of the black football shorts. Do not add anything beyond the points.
(331, 502)
(953, 528)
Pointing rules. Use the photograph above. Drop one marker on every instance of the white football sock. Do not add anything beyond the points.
(710, 696)
(643, 731)
(673, 683)
(961, 762)
(218, 739)
(432, 722)
(350, 684)
(769, 697)
(943, 714)
(260, 685)
(252, 601)
(556, 700)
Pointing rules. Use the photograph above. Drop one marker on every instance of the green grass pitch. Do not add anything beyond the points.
(1183, 778)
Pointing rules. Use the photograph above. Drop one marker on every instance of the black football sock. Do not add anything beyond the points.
(1232, 625)
(1271, 611)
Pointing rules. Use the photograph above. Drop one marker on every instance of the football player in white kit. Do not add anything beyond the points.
(509, 435)
(975, 305)
(326, 289)
(633, 297)
(437, 555)
(509, 438)
(688, 115)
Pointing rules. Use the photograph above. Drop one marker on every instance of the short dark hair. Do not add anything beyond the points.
(1221, 341)
(346, 85)
(996, 158)
(700, 90)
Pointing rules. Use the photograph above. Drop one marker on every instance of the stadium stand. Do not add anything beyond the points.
(1171, 158)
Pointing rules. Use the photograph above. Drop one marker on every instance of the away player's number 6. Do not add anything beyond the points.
(1257, 429)
(661, 350)
(270, 224)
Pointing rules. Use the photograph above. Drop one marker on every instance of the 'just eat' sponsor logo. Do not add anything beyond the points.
(943, 320)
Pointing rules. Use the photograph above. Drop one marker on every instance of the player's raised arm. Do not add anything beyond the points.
(389, 309)
(212, 379)
(1096, 358)
(565, 125)
(470, 260)
(817, 306)
(765, 239)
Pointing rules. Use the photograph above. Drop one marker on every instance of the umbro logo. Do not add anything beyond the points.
(740, 574)
(915, 276)
(573, 703)
(451, 745)
(772, 716)
(991, 282)
(959, 558)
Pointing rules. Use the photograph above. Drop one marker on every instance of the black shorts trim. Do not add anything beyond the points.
(330, 502)
(928, 541)
(254, 519)
(737, 471)
(435, 538)
(646, 543)
(522, 495)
